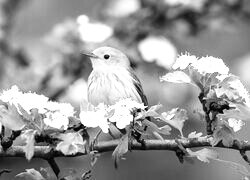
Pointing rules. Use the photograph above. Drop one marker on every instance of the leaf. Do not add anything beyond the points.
(154, 128)
(241, 112)
(203, 155)
(24, 113)
(177, 77)
(151, 112)
(223, 133)
(10, 117)
(232, 89)
(236, 166)
(194, 135)
(121, 149)
(31, 174)
(73, 121)
(71, 143)
(37, 119)
(29, 137)
(165, 130)
(176, 118)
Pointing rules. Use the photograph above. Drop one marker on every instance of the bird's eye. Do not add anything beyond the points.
(106, 56)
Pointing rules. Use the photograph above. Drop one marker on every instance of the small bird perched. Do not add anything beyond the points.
(112, 79)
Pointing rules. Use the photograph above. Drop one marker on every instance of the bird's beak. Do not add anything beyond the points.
(91, 55)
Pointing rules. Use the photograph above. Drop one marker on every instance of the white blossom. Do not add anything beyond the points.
(235, 124)
(56, 120)
(128, 103)
(28, 100)
(210, 65)
(95, 118)
(122, 8)
(11, 95)
(196, 5)
(122, 112)
(158, 49)
(65, 109)
(56, 114)
(183, 61)
(93, 32)
(122, 116)
(102, 115)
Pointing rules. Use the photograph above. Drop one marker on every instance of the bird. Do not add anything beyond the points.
(112, 78)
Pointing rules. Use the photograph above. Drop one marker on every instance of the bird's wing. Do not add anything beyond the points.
(138, 87)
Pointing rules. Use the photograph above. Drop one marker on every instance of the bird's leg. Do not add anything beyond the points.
(136, 133)
(137, 136)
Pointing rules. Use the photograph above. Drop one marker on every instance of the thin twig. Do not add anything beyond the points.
(54, 166)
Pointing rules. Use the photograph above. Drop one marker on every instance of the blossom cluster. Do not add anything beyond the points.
(55, 114)
(102, 115)
(212, 77)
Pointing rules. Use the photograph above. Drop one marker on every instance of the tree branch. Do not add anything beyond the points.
(105, 146)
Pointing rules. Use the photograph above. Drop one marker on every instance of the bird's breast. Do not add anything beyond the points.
(109, 86)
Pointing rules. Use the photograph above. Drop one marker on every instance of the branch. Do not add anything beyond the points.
(46, 152)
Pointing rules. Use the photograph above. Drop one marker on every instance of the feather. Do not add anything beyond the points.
(138, 87)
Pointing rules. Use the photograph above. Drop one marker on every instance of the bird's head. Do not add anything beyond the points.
(108, 57)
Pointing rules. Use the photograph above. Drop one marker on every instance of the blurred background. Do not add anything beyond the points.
(40, 45)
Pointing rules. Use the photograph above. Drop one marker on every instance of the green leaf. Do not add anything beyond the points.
(24, 113)
(177, 77)
(232, 89)
(152, 127)
(31, 174)
(29, 137)
(203, 155)
(223, 133)
(71, 143)
(151, 112)
(176, 118)
(241, 112)
(10, 117)
(121, 149)
(34, 120)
